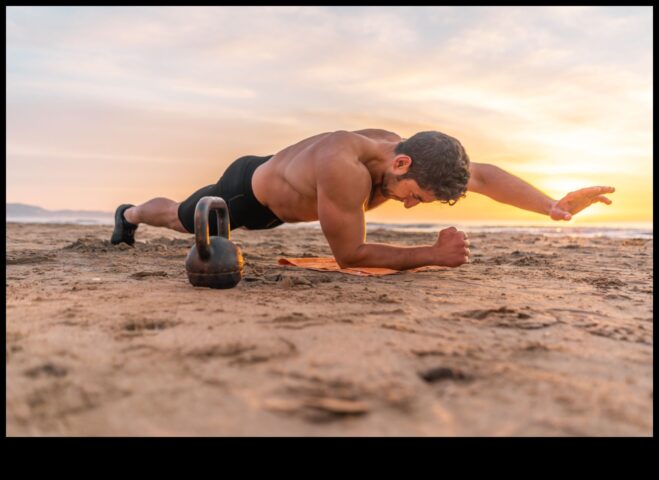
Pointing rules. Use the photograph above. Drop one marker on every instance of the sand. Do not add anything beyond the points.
(538, 336)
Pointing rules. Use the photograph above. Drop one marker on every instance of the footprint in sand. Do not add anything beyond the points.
(61, 398)
(48, 369)
(92, 245)
(385, 298)
(523, 259)
(141, 325)
(511, 318)
(295, 281)
(73, 316)
(317, 409)
(604, 283)
(613, 296)
(227, 350)
(295, 321)
(299, 320)
(621, 332)
(242, 354)
(599, 324)
(24, 257)
(438, 374)
(317, 399)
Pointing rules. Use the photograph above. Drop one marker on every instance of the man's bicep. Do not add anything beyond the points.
(342, 220)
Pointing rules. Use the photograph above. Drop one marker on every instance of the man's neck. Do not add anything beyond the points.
(380, 161)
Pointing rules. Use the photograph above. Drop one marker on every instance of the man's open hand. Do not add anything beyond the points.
(576, 201)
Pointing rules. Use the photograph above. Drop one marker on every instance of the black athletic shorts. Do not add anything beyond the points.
(235, 187)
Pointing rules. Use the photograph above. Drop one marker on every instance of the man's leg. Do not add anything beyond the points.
(158, 212)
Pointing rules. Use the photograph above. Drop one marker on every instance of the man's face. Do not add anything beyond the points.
(406, 191)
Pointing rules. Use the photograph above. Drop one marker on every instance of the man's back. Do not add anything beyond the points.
(287, 182)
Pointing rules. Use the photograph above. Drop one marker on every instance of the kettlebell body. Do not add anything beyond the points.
(213, 262)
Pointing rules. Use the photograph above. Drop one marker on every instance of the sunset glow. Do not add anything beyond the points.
(110, 105)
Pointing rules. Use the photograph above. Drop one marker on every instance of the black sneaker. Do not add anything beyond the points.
(124, 231)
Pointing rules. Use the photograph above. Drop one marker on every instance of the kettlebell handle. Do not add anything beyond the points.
(201, 229)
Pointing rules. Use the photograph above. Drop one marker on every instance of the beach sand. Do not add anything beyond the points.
(537, 336)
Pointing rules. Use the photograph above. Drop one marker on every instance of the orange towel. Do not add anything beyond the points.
(329, 264)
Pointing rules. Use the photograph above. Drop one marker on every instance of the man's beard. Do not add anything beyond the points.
(384, 190)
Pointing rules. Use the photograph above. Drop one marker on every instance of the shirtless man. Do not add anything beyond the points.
(334, 177)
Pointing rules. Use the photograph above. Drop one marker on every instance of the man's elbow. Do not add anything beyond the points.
(343, 264)
(351, 260)
(347, 262)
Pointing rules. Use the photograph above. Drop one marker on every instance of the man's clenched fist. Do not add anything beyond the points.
(451, 248)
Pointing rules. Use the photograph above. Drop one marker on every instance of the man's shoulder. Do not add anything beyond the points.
(378, 134)
(343, 140)
(339, 173)
(348, 147)
(341, 149)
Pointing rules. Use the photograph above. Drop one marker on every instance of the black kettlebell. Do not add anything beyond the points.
(213, 262)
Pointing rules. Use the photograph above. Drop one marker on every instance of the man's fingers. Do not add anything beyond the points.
(603, 199)
(590, 191)
(599, 190)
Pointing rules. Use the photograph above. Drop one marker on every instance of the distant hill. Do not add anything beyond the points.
(23, 210)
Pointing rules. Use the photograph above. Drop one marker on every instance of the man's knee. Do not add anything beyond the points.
(178, 226)
(175, 221)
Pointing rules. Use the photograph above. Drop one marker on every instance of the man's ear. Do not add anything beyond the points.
(402, 164)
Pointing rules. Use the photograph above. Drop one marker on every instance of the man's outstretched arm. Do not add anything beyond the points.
(504, 187)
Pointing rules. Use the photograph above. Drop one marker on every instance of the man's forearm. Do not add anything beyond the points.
(507, 188)
(389, 256)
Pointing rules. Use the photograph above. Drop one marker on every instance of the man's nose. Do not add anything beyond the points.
(409, 203)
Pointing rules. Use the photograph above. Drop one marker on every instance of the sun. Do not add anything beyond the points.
(559, 187)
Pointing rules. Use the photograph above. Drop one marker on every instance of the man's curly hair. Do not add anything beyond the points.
(439, 164)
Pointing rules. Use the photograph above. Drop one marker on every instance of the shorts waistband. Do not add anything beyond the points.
(237, 179)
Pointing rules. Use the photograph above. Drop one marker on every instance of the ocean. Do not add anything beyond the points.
(618, 230)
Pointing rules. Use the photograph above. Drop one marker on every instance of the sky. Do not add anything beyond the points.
(111, 105)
